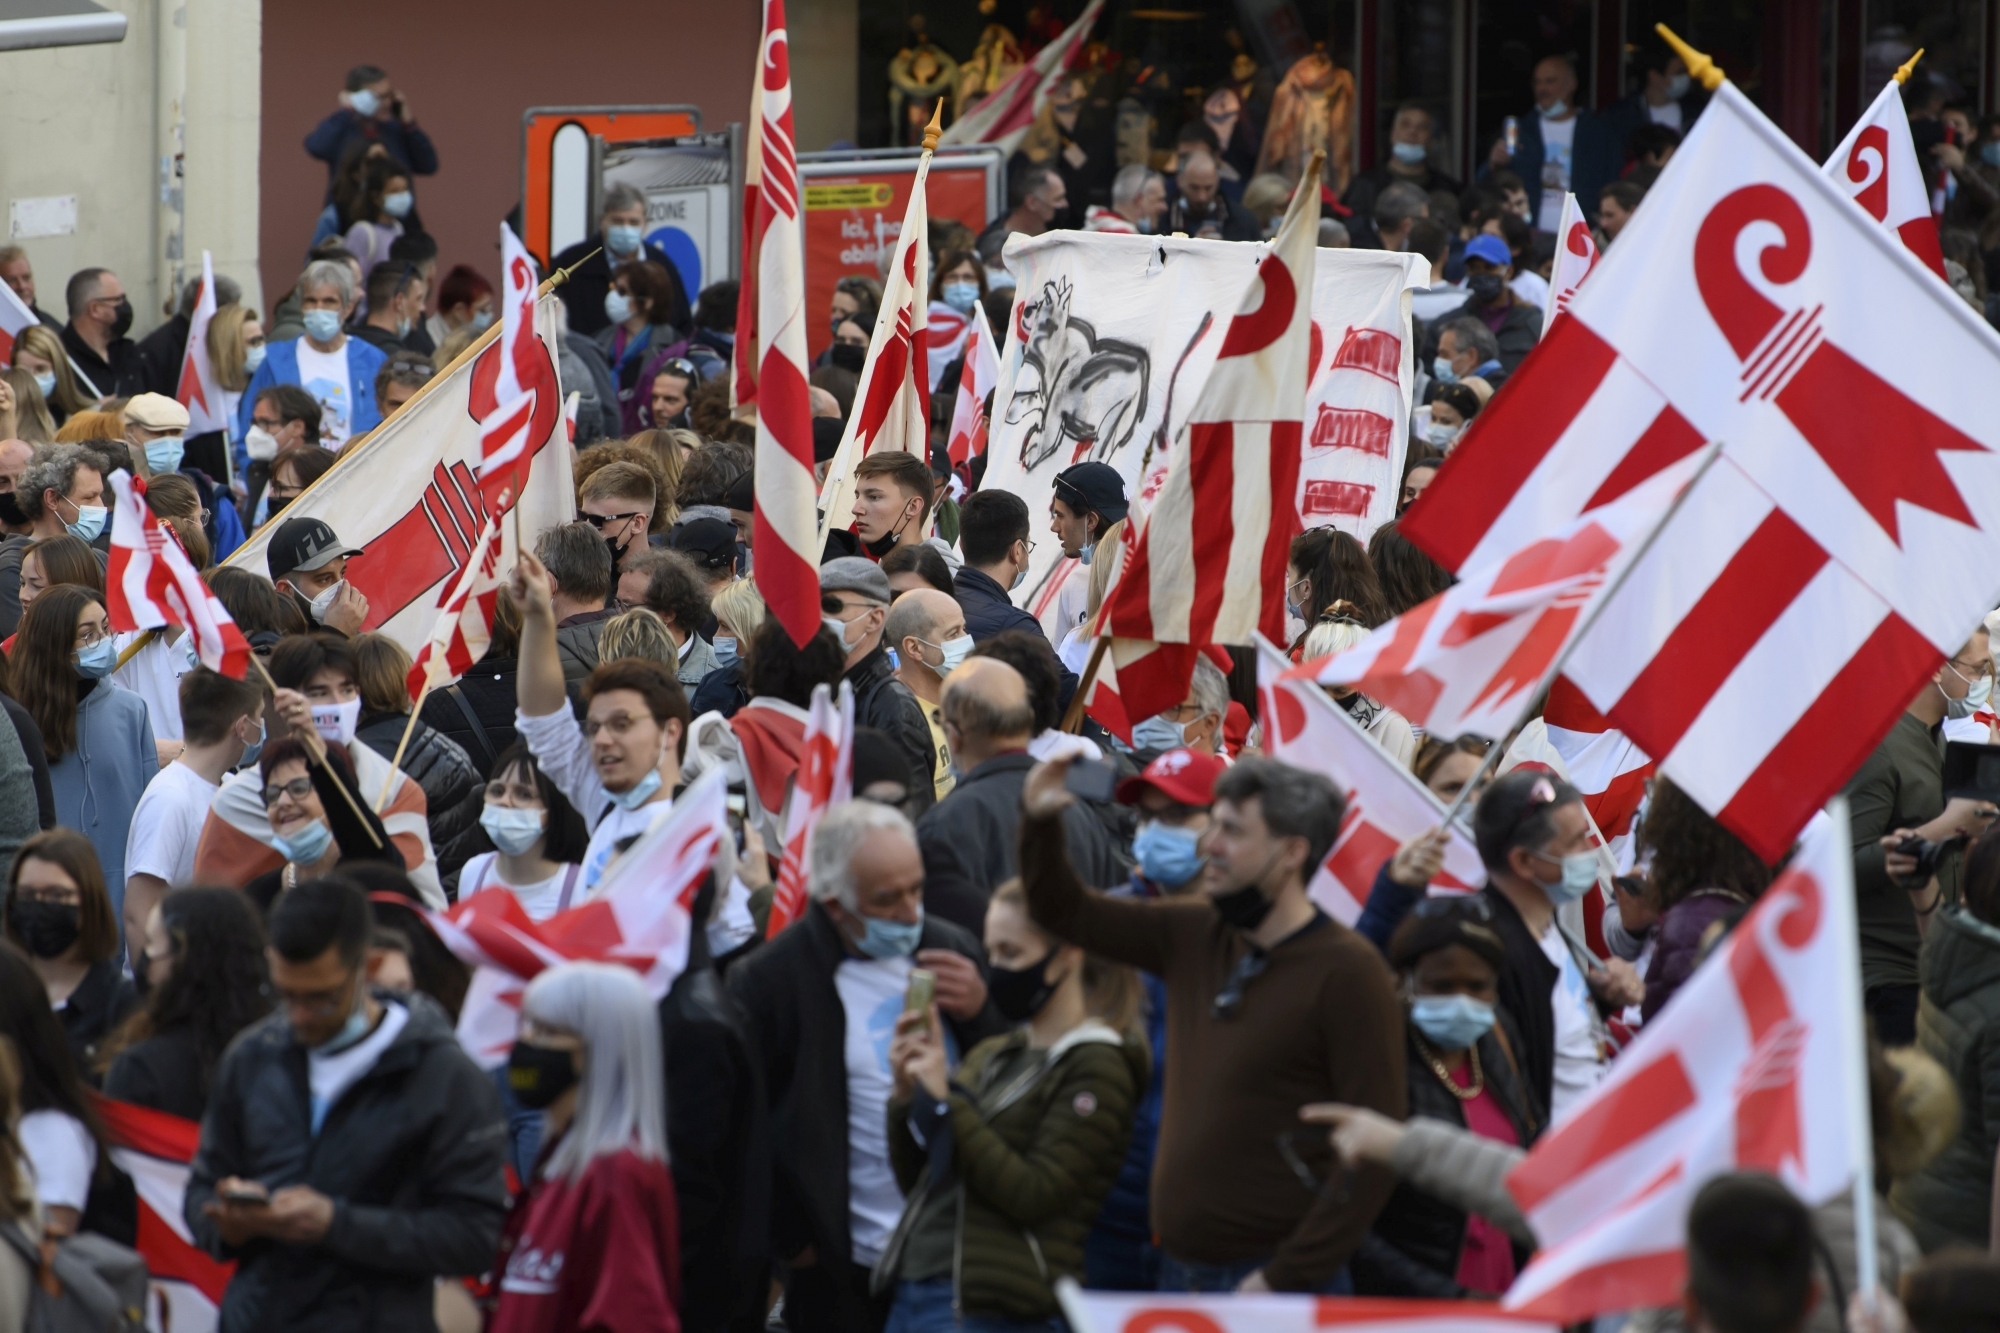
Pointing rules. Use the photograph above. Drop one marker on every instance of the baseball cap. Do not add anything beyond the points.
(1093, 486)
(707, 541)
(1490, 248)
(156, 411)
(1180, 775)
(856, 574)
(303, 544)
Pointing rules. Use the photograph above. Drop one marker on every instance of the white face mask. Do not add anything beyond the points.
(336, 722)
(324, 602)
(260, 444)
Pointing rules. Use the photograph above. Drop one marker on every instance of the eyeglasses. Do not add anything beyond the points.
(1248, 968)
(298, 789)
(599, 520)
(88, 636)
(619, 724)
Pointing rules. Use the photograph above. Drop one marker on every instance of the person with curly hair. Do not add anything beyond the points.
(1701, 874)
(1407, 576)
(1324, 566)
(205, 980)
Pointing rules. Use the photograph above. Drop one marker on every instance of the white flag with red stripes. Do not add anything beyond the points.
(1003, 115)
(967, 439)
(464, 626)
(1386, 805)
(1576, 255)
(155, 1150)
(1757, 1063)
(1469, 660)
(1601, 761)
(1877, 166)
(15, 319)
(198, 390)
(1120, 1312)
(770, 361)
(505, 433)
(1209, 566)
(641, 915)
(1749, 302)
(825, 778)
(892, 403)
(150, 583)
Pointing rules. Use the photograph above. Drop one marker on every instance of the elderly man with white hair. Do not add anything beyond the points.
(820, 1004)
(1138, 197)
(338, 371)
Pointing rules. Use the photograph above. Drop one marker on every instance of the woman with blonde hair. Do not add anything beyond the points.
(739, 613)
(32, 421)
(236, 350)
(669, 448)
(1074, 650)
(638, 633)
(39, 352)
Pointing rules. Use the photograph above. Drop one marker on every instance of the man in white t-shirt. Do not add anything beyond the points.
(1534, 839)
(820, 1004)
(222, 722)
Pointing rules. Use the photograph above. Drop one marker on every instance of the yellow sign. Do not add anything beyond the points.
(860, 194)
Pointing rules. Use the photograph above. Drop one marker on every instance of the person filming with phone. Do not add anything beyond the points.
(820, 1004)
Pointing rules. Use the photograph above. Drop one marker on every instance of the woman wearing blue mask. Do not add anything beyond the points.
(538, 839)
(739, 614)
(1463, 1070)
(639, 307)
(40, 352)
(98, 735)
(377, 212)
(959, 285)
(312, 824)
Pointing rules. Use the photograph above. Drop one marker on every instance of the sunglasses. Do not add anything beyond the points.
(599, 520)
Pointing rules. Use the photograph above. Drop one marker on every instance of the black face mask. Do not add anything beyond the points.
(10, 509)
(1243, 908)
(849, 357)
(1020, 993)
(537, 1075)
(1485, 287)
(121, 320)
(47, 929)
(617, 552)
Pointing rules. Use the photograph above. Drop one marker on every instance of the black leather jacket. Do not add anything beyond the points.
(454, 790)
(886, 704)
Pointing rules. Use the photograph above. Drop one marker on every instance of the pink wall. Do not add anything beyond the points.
(470, 68)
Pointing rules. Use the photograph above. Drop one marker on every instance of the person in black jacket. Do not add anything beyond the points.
(454, 790)
(205, 980)
(1463, 1070)
(59, 913)
(819, 1004)
(618, 240)
(477, 711)
(854, 597)
(351, 1155)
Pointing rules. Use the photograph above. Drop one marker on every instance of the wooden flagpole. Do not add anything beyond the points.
(1073, 719)
(403, 744)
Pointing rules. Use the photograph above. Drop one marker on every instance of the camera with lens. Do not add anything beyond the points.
(1926, 851)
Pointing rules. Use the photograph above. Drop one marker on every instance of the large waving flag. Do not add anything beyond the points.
(1757, 1063)
(155, 1150)
(1003, 115)
(1877, 166)
(825, 778)
(507, 436)
(1209, 566)
(151, 584)
(198, 390)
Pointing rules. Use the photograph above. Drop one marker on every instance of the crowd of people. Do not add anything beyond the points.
(1028, 1028)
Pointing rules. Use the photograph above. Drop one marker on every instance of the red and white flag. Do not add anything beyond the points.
(975, 384)
(641, 915)
(150, 584)
(15, 319)
(1576, 255)
(1877, 166)
(1471, 658)
(1209, 565)
(1748, 302)
(1003, 115)
(507, 432)
(892, 403)
(1118, 1312)
(155, 1150)
(825, 778)
(770, 363)
(1386, 805)
(464, 626)
(198, 389)
(1602, 762)
(1757, 1063)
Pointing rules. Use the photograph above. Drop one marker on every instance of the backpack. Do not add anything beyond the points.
(84, 1284)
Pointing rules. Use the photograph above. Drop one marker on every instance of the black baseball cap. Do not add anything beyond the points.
(303, 545)
(1089, 487)
(707, 541)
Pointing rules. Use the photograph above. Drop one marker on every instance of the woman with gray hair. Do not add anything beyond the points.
(341, 369)
(594, 1239)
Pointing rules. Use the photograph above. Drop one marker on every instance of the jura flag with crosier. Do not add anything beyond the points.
(1750, 302)
(1758, 1063)
(150, 583)
(1576, 255)
(464, 627)
(1003, 115)
(825, 778)
(197, 389)
(1877, 167)
(1209, 566)
(976, 382)
(1386, 805)
(1122, 1312)
(507, 433)
(770, 361)
(157, 1150)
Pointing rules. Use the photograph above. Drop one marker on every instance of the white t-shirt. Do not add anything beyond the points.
(1579, 1059)
(324, 376)
(166, 824)
(1558, 152)
(559, 746)
(154, 674)
(330, 1076)
(540, 900)
(1532, 288)
(871, 994)
(63, 1155)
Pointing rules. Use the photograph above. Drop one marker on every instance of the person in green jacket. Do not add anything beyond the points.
(1006, 1164)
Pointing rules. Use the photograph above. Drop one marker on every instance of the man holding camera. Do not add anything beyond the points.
(1909, 841)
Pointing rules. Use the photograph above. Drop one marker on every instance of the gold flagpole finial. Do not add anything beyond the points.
(1700, 68)
(935, 128)
(1909, 67)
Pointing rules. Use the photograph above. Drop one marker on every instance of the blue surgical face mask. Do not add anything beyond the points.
(1441, 370)
(1083, 556)
(890, 939)
(46, 381)
(364, 101)
(482, 320)
(621, 238)
(514, 831)
(1157, 733)
(725, 649)
(961, 296)
(165, 453)
(1443, 436)
(97, 661)
(641, 792)
(1451, 1022)
(353, 1030)
(1677, 87)
(322, 326)
(398, 205)
(253, 357)
(1166, 854)
(306, 846)
(1579, 876)
(617, 306)
(1409, 154)
(89, 522)
(254, 748)
(955, 651)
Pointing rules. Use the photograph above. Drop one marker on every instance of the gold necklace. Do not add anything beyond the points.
(1437, 1065)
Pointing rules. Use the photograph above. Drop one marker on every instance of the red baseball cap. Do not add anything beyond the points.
(1179, 775)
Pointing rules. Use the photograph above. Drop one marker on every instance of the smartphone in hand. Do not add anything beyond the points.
(922, 989)
(245, 1191)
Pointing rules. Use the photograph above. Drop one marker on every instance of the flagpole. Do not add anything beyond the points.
(1073, 719)
(1867, 1275)
(403, 744)
(1554, 669)
(319, 757)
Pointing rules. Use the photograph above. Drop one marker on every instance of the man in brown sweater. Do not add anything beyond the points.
(1271, 1004)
